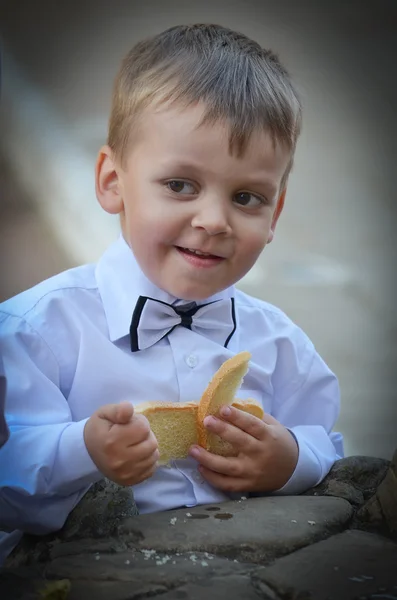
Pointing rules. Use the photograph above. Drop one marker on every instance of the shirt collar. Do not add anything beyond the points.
(121, 282)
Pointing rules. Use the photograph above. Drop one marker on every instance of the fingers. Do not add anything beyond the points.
(142, 470)
(117, 413)
(224, 482)
(129, 434)
(230, 466)
(135, 463)
(246, 422)
(138, 431)
(243, 431)
(140, 452)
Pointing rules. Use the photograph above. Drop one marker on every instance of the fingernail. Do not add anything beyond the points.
(225, 411)
(210, 420)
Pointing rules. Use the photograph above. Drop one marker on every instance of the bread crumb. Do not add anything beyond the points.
(127, 562)
(164, 560)
(173, 521)
(204, 563)
(294, 521)
(188, 514)
(148, 553)
(312, 522)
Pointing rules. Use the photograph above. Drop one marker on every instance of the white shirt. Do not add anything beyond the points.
(66, 352)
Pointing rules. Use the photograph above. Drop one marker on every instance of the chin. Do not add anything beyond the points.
(191, 293)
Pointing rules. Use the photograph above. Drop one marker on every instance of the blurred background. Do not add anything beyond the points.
(332, 264)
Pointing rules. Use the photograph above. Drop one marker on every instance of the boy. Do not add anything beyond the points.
(202, 135)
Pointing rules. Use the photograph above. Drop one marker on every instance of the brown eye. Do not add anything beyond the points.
(179, 186)
(248, 199)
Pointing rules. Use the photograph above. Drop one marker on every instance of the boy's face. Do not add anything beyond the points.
(195, 216)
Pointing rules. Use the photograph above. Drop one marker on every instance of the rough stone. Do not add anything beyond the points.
(100, 511)
(16, 588)
(235, 587)
(355, 478)
(136, 573)
(258, 529)
(380, 512)
(351, 565)
(142, 567)
(273, 548)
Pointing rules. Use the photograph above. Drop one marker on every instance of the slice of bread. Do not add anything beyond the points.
(175, 425)
(220, 391)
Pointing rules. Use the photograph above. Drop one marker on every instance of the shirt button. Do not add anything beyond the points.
(191, 360)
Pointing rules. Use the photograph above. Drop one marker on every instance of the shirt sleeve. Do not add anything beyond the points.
(310, 412)
(45, 467)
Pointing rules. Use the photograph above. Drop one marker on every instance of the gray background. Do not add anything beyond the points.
(332, 264)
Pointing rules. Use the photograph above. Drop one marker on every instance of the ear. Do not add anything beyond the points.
(276, 215)
(107, 183)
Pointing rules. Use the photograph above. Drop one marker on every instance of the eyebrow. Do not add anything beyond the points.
(270, 187)
(262, 183)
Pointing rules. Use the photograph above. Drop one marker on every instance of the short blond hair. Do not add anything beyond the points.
(238, 81)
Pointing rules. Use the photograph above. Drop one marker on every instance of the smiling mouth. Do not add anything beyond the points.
(197, 253)
(199, 259)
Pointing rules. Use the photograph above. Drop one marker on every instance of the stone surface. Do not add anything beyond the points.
(136, 574)
(219, 588)
(100, 511)
(255, 529)
(272, 548)
(349, 566)
(355, 478)
(380, 512)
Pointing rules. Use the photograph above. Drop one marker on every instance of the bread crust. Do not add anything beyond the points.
(250, 406)
(209, 403)
(153, 406)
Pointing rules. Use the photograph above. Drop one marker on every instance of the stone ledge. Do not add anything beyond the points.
(254, 530)
(353, 564)
(273, 548)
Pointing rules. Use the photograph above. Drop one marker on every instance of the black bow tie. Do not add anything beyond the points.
(153, 319)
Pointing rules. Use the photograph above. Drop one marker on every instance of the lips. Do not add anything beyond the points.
(197, 258)
(197, 252)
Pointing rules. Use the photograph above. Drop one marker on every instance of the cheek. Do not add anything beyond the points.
(256, 239)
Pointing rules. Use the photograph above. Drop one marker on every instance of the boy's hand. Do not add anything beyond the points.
(121, 444)
(267, 453)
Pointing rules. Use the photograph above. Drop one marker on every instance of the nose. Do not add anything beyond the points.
(212, 215)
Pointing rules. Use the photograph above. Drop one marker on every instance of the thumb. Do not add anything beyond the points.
(117, 414)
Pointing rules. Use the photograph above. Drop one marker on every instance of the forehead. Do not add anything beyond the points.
(173, 133)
